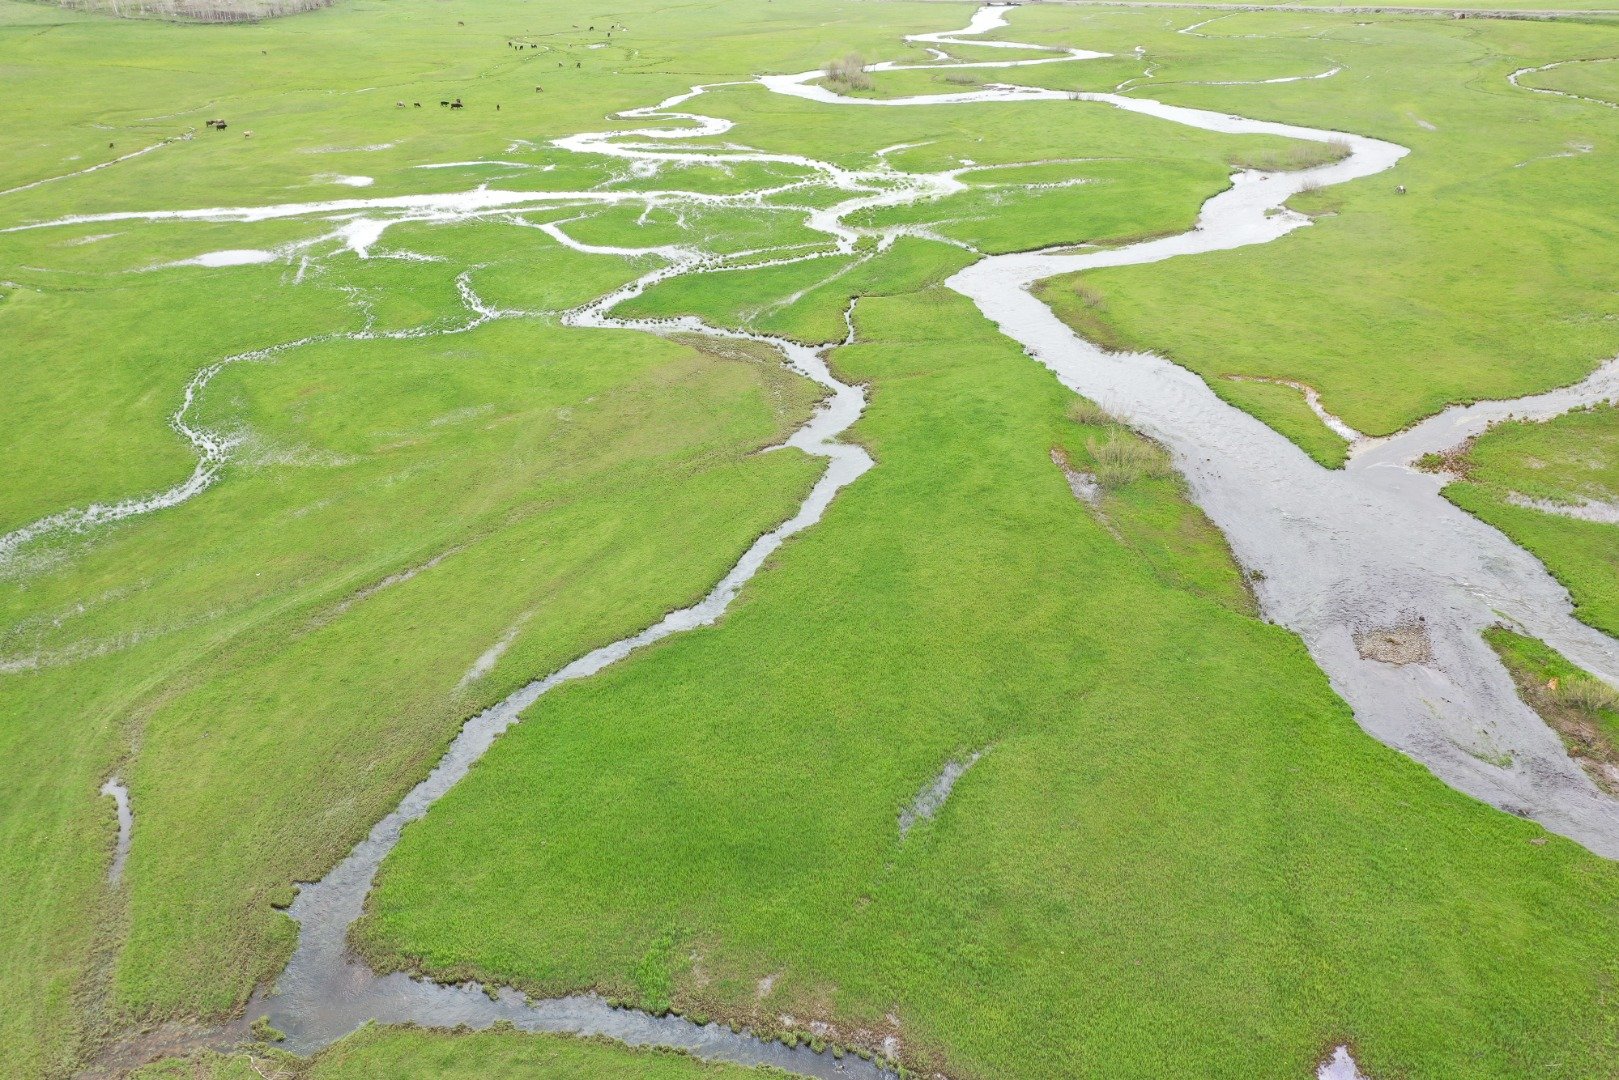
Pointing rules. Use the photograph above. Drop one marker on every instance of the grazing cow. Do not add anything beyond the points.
(109, 146)
(456, 104)
(497, 108)
(539, 89)
(417, 104)
(1400, 189)
(399, 104)
(444, 103)
(247, 134)
(220, 125)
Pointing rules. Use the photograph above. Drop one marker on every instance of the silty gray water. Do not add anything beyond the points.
(115, 790)
(1161, 399)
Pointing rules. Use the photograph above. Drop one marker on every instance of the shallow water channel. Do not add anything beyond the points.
(1335, 554)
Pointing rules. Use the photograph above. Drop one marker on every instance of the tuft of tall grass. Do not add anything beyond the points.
(1088, 413)
(1089, 295)
(1292, 157)
(1125, 458)
(1587, 695)
(849, 72)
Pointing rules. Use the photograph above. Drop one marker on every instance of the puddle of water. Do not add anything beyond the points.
(1606, 513)
(232, 257)
(1340, 1066)
(119, 794)
(931, 798)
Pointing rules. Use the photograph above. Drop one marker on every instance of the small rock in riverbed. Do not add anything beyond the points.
(1404, 643)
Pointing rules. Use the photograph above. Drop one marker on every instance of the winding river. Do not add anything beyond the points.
(1335, 554)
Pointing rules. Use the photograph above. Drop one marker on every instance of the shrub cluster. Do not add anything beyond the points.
(849, 72)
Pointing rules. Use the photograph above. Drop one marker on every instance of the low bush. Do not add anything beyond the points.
(1088, 413)
(849, 72)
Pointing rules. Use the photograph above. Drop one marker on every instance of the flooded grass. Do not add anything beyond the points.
(1568, 460)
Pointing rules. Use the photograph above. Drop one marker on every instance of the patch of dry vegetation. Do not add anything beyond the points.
(1125, 457)
(850, 73)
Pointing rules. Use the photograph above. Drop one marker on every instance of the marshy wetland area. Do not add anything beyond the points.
(841, 538)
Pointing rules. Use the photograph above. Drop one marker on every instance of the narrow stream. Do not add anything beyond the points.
(1371, 547)
(114, 789)
(325, 992)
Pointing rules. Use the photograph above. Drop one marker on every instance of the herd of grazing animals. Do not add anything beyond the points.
(221, 125)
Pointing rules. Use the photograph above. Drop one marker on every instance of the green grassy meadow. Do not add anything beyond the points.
(1465, 302)
(1177, 854)
(1300, 912)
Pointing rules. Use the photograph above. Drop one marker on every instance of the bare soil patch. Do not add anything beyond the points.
(1404, 643)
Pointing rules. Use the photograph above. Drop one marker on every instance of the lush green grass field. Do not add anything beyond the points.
(1597, 79)
(1392, 305)
(1176, 848)
(1177, 854)
(229, 658)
